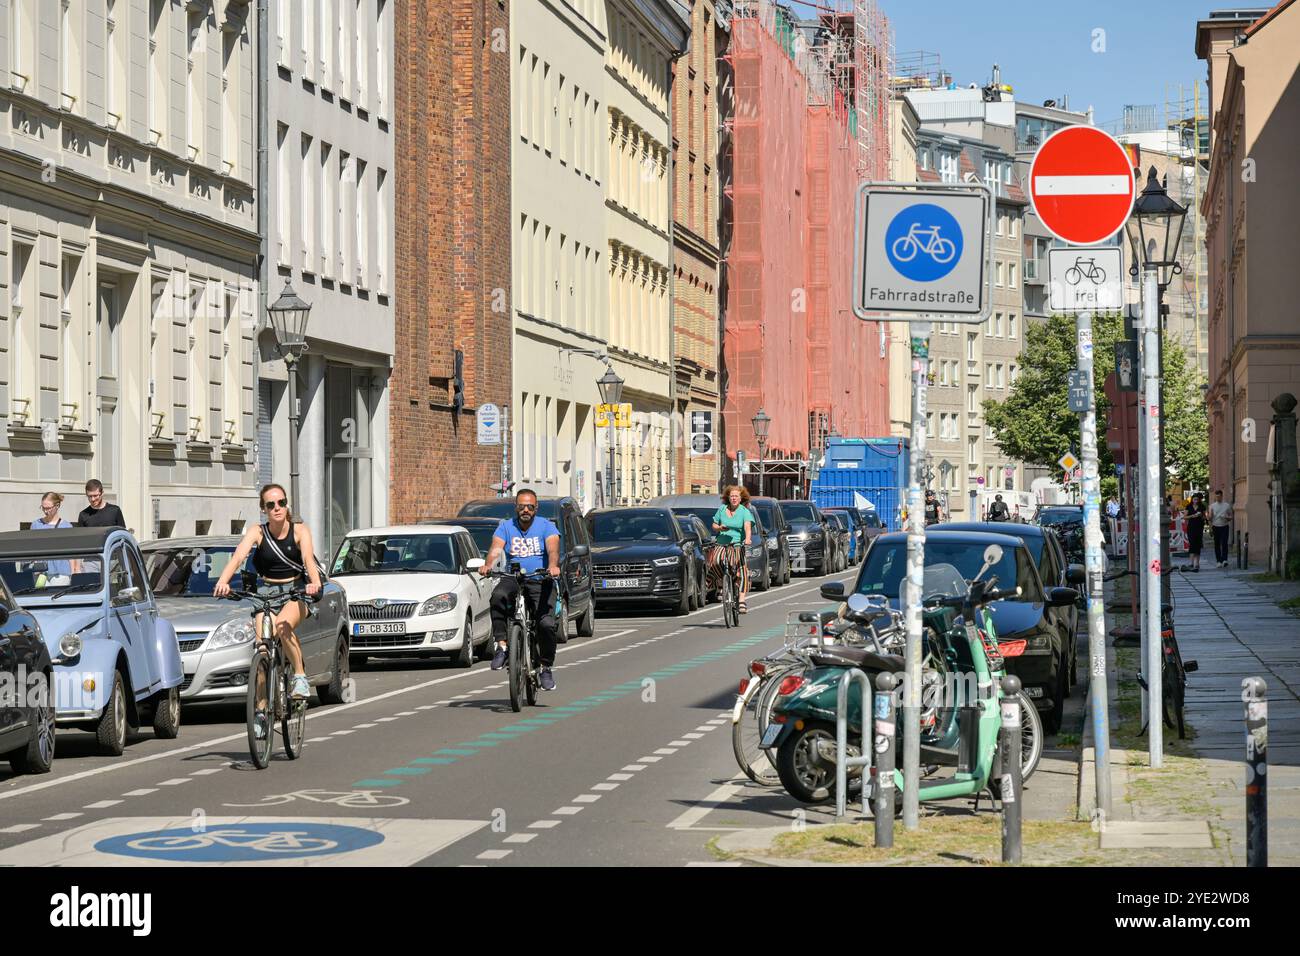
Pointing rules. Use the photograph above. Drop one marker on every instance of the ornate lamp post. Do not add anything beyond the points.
(761, 423)
(611, 392)
(289, 315)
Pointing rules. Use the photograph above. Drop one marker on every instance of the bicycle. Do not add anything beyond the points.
(928, 241)
(523, 656)
(1173, 675)
(269, 678)
(729, 592)
(1093, 272)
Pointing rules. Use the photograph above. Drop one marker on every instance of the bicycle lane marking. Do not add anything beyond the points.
(243, 841)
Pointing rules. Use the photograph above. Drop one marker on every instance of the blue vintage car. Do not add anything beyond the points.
(116, 660)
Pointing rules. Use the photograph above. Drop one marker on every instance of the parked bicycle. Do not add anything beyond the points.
(1173, 674)
(269, 678)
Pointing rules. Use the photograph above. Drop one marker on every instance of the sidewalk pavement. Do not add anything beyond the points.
(1233, 628)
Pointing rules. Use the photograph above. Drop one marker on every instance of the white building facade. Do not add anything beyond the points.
(330, 229)
(128, 251)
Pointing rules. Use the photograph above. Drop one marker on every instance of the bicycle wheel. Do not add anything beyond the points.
(747, 733)
(261, 693)
(1031, 736)
(515, 664)
(733, 605)
(531, 679)
(724, 595)
(293, 722)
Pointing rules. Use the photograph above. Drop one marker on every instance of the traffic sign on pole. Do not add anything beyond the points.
(1081, 185)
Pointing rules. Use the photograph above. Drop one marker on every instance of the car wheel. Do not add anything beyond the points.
(38, 755)
(167, 715)
(332, 693)
(1052, 718)
(697, 593)
(587, 623)
(683, 605)
(111, 730)
(466, 656)
(562, 624)
(763, 580)
(786, 575)
(1074, 662)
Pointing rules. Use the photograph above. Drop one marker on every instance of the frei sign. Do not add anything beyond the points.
(1085, 280)
(922, 251)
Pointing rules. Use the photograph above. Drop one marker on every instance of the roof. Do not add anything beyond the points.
(981, 537)
(927, 175)
(627, 509)
(685, 501)
(56, 541)
(466, 522)
(195, 541)
(1268, 17)
(406, 529)
(993, 527)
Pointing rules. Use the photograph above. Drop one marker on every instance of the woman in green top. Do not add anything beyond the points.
(734, 524)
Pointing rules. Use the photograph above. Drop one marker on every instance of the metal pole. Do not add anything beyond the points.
(1010, 783)
(1095, 566)
(1151, 512)
(915, 579)
(609, 500)
(885, 741)
(843, 762)
(291, 365)
(762, 455)
(1139, 518)
(505, 449)
(1166, 582)
(1254, 694)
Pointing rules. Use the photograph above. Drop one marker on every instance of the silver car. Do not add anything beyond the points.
(216, 635)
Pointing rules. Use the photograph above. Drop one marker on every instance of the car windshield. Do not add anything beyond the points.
(871, 520)
(505, 508)
(482, 535)
(188, 572)
(50, 577)
(1059, 516)
(838, 519)
(704, 514)
(798, 511)
(765, 512)
(886, 566)
(630, 526)
(384, 554)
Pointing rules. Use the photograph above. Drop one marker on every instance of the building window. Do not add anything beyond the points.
(972, 398)
(196, 363)
(308, 28)
(381, 232)
(363, 227)
(997, 324)
(929, 424)
(231, 85)
(232, 345)
(307, 157)
(70, 37)
(327, 41)
(1011, 325)
(194, 77)
(381, 60)
(22, 343)
(23, 51)
(1011, 274)
(72, 333)
(115, 65)
(997, 274)
(970, 345)
(162, 300)
(327, 211)
(1001, 381)
(284, 186)
(363, 54)
(347, 175)
(988, 374)
(157, 66)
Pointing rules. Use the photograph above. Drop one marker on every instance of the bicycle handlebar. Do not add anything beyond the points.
(295, 594)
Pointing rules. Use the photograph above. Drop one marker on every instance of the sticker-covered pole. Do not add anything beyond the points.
(1151, 496)
(915, 577)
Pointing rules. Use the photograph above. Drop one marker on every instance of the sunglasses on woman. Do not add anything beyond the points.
(268, 505)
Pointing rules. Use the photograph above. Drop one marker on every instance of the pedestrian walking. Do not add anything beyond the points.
(99, 513)
(1195, 531)
(1112, 507)
(1220, 518)
(56, 573)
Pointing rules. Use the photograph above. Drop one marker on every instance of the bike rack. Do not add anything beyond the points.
(842, 761)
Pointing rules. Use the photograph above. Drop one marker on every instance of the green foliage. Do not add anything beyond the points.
(1035, 425)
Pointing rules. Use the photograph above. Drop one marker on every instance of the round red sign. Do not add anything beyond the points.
(1081, 185)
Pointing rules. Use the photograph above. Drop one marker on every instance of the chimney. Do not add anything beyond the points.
(997, 76)
(1090, 119)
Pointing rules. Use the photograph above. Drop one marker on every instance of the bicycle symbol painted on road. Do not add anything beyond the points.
(243, 843)
(1085, 269)
(924, 242)
(353, 799)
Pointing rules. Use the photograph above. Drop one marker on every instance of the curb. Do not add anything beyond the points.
(751, 846)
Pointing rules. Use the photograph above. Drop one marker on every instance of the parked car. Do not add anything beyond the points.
(693, 525)
(872, 525)
(757, 557)
(575, 554)
(414, 591)
(812, 548)
(842, 531)
(1067, 522)
(644, 555)
(482, 530)
(866, 525)
(216, 635)
(118, 663)
(777, 531)
(27, 707)
(1032, 640)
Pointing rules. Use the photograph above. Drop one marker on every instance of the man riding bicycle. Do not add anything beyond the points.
(524, 539)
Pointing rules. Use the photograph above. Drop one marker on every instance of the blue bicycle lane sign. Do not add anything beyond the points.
(242, 843)
(924, 242)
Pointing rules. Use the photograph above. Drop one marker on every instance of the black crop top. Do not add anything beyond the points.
(278, 558)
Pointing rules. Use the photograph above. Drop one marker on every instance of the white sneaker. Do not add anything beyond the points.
(300, 689)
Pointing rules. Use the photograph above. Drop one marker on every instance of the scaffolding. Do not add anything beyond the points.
(1187, 126)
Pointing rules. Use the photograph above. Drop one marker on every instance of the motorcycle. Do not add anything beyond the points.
(961, 717)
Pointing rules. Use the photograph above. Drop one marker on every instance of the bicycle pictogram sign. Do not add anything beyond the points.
(242, 843)
(1085, 269)
(923, 242)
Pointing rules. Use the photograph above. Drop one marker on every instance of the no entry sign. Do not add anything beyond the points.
(1081, 184)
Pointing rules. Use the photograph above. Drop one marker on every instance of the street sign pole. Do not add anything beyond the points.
(915, 579)
(1151, 496)
(1095, 567)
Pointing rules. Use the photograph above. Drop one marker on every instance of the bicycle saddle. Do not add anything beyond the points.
(840, 655)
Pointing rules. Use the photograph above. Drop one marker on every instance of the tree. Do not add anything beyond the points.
(1034, 423)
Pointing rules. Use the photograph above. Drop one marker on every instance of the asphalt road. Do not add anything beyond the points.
(628, 762)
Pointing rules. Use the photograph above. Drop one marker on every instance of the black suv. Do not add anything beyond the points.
(777, 531)
(643, 554)
(812, 548)
(575, 580)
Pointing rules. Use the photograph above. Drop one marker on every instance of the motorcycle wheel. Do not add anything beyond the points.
(803, 773)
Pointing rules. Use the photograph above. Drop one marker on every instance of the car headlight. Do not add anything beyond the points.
(798, 535)
(69, 645)
(755, 551)
(1040, 643)
(439, 604)
(773, 544)
(667, 562)
(237, 630)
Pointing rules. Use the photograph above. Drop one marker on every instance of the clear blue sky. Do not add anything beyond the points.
(1045, 47)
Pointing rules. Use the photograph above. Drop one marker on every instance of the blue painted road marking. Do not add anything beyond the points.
(242, 843)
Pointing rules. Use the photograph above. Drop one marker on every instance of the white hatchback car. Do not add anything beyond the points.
(413, 591)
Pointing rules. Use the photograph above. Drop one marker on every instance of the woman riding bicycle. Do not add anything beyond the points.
(734, 524)
(278, 548)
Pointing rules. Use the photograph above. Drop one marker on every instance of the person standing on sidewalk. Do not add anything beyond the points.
(99, 513)
(1195, 531)
(1220, 517)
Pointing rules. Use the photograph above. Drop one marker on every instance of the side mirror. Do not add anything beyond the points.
(128, 596)
(579, 551)
(1062, 597)
(1075, 574)
(473, 564)
(833, 591)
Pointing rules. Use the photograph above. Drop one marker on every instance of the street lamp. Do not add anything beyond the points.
(1154, 231)
(611, 391)
(761, 423)
(289, 315)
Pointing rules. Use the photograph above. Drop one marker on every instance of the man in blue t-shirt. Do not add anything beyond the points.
(525, 539)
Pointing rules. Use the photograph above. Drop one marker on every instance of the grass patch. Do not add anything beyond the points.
(1291, 604)
(1267, 577)
(944, 840)
(1068, 740)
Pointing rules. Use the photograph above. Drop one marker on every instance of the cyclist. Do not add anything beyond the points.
(525, 539)
(998, 511)
(933, 513)
(280, 548)
(733, 523)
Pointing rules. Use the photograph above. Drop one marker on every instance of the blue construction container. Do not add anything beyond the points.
(859, 470)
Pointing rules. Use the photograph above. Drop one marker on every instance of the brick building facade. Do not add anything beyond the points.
(453, 248)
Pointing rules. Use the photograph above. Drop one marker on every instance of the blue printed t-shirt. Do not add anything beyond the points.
(54, 568)
(734, 523)
(528, 548)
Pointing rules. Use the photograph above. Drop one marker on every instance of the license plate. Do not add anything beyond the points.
(1034, 692)
(393, 628)
(769, 736)
(610, 583)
